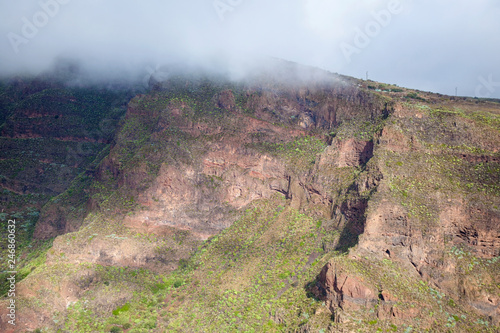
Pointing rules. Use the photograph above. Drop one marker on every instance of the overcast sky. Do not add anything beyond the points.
(428, 45)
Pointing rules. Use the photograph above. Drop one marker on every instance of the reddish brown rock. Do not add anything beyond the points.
(347, 153)
(226, 100)
(354, 153)
(343, 290)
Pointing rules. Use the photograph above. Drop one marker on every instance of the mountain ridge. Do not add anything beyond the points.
(350, 180)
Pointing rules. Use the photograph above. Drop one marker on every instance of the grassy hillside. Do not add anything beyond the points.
(218, 207)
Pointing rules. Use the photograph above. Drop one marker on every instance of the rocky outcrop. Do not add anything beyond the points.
(342, 290)
(225, 100)
(345, 292)
(347, 153)
(461, 232)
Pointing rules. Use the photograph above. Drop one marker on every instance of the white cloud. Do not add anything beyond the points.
(430, 45)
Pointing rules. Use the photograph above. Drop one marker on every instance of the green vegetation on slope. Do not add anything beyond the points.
(257, 275)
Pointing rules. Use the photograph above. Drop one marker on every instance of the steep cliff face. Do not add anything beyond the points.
(435, 211)
(439, 207)
(287, 202)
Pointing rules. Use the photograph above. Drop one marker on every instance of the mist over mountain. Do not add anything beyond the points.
(424, 45)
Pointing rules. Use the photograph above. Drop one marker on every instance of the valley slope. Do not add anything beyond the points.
(294, 200)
